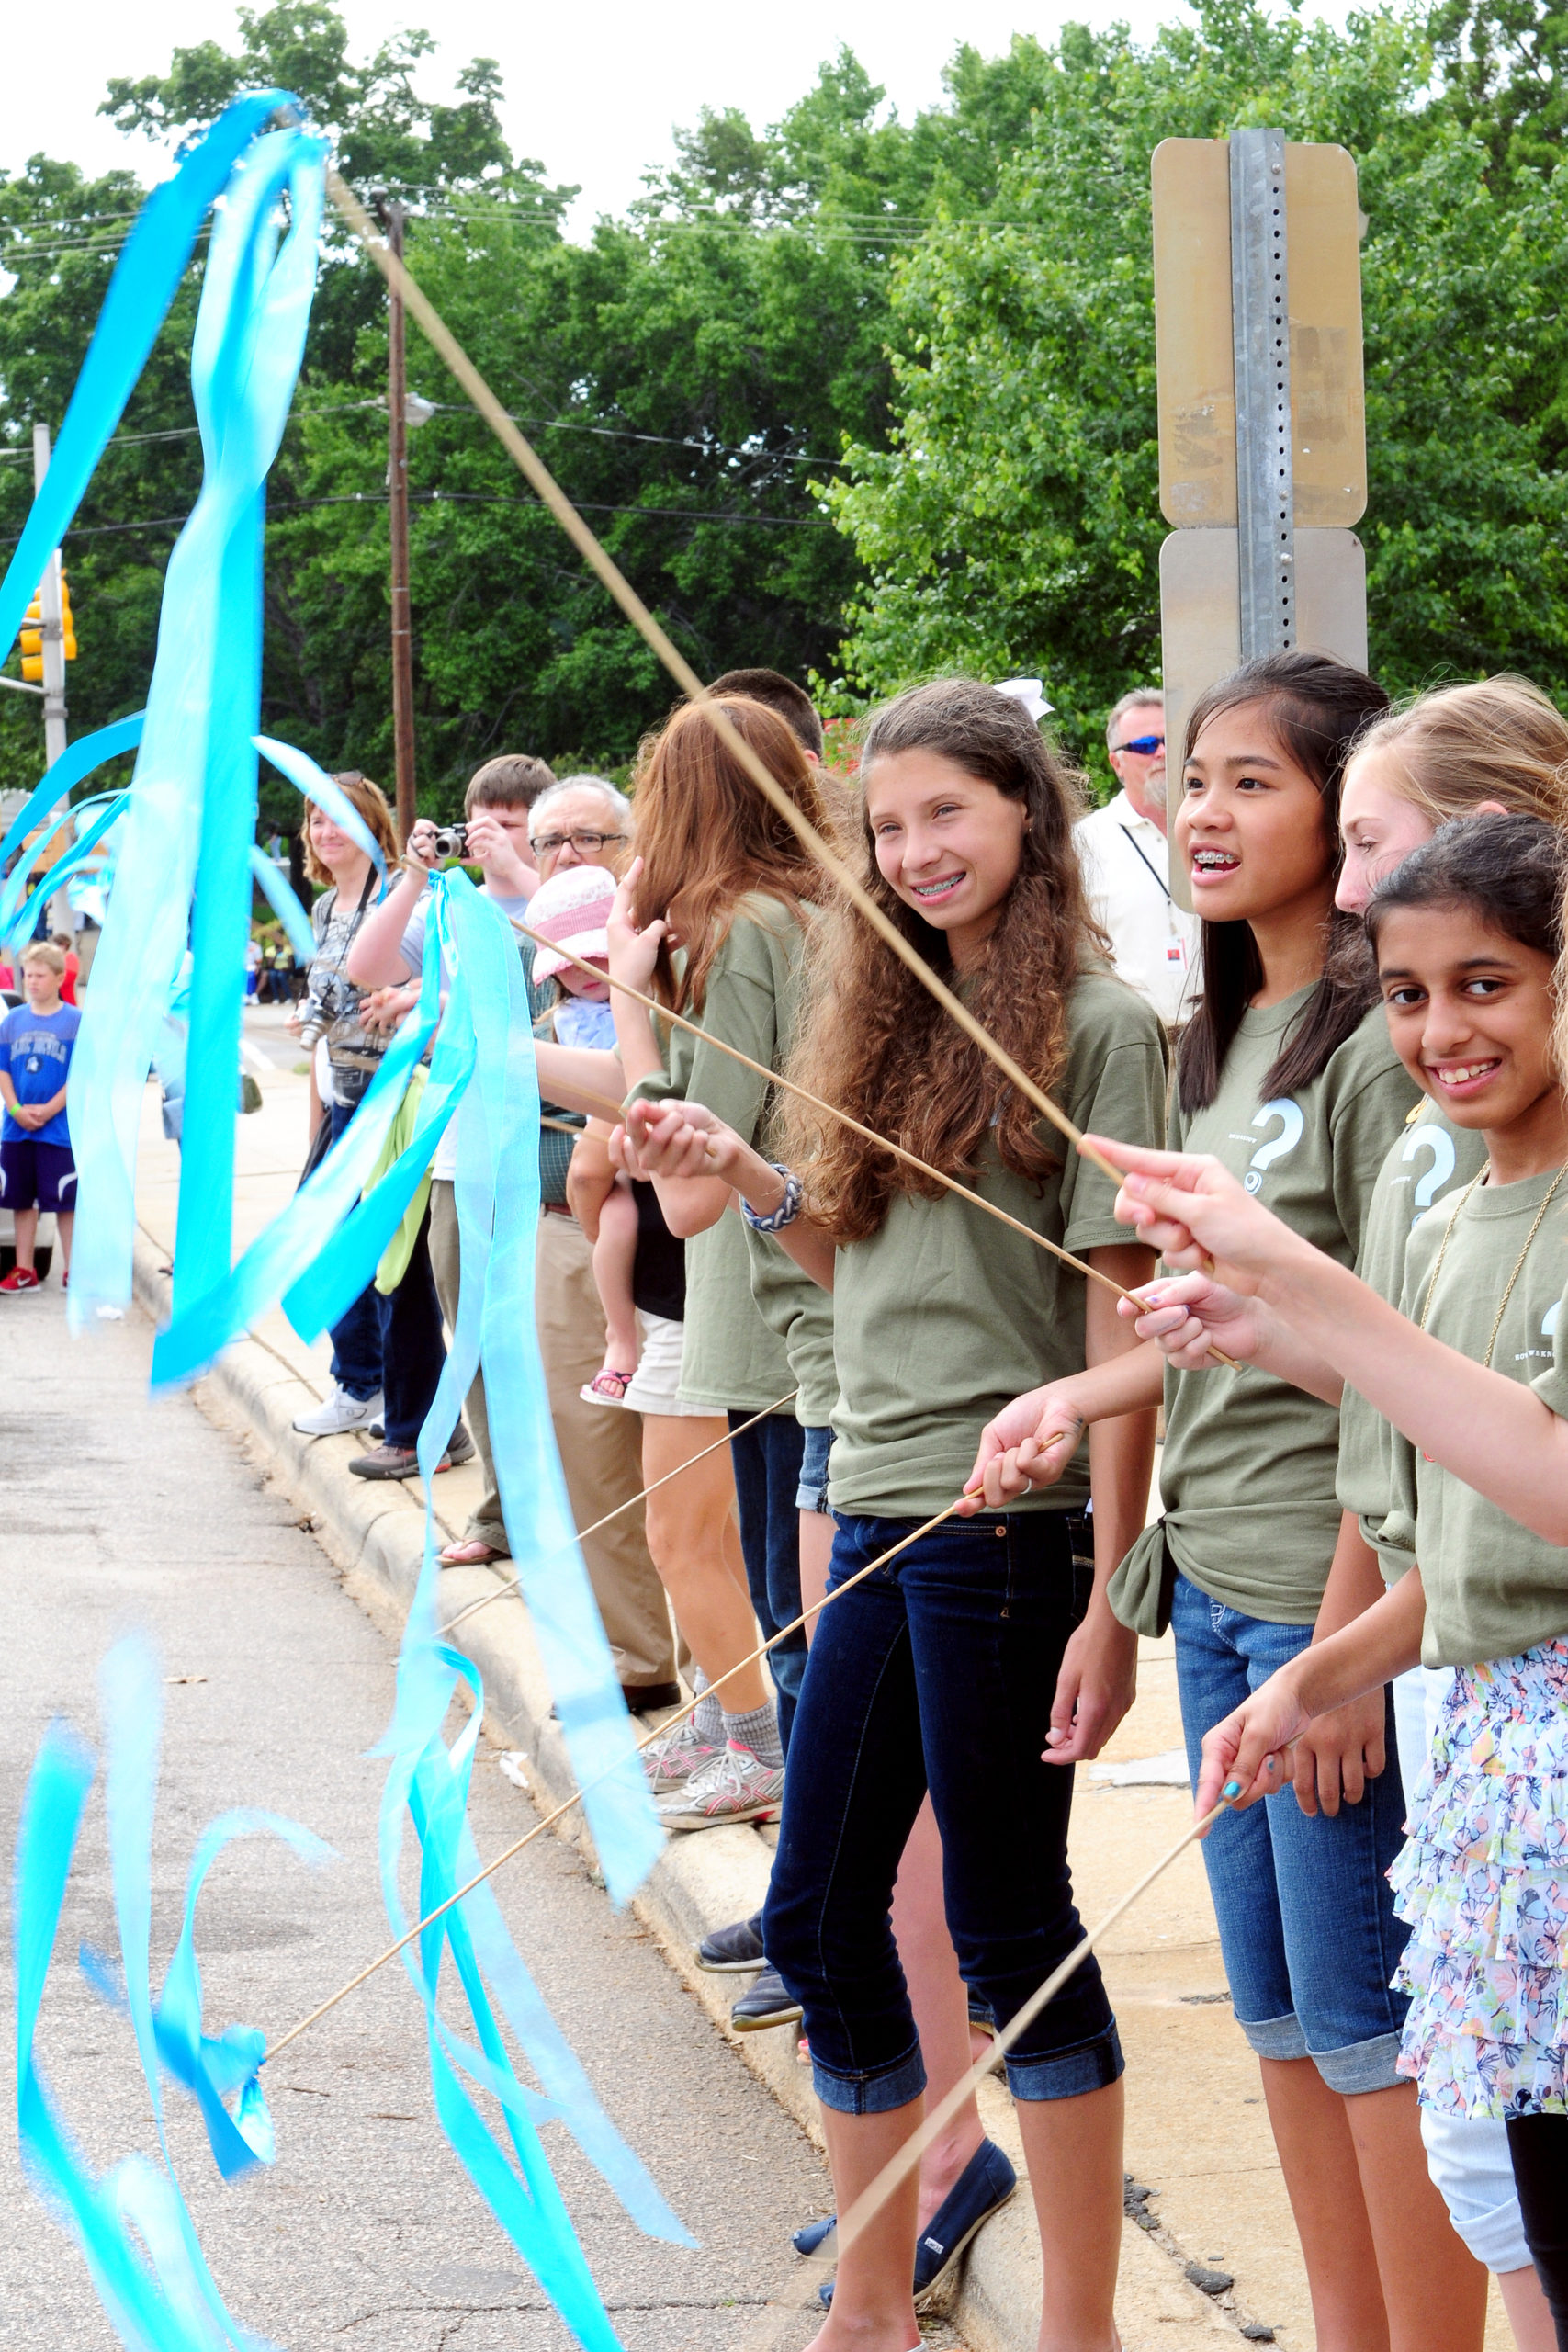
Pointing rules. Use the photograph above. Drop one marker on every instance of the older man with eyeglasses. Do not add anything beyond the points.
(1126, 862)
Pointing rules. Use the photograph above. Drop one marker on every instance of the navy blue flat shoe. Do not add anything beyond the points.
(814, 2237)
(981, 2190)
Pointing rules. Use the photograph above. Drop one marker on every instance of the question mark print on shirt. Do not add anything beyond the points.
(1294, 1119)
(1549, 1320)
(1440, 1144)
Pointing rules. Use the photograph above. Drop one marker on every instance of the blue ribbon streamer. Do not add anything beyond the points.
(164, 2300)
(78, 760)
(145, 279)
(279, 896)
(17, 920)
(497, 1198)
(296, 1238)
(193, 791)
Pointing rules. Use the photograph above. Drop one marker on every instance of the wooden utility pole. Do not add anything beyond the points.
(393, 219)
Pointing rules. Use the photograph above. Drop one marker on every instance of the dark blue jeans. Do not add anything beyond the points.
(937, 1672)
(392, 1344)
(767, 1475)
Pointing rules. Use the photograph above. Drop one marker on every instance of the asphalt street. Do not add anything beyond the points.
(117, 1512)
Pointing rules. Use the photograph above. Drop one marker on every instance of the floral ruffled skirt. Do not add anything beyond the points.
(1483, 1881)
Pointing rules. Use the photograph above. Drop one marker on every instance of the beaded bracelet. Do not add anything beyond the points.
(788, 1209)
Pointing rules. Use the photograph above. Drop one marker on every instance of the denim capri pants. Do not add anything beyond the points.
(1307, 1926)
(937, 1672)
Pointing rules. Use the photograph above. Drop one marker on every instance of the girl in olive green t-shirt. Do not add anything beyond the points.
(1286, 1076)
(1476, 1376)
(946, 1669)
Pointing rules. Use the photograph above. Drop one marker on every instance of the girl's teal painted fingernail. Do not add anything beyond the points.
(1231, 1789)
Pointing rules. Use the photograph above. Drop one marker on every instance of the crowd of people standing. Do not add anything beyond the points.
(807, 1349)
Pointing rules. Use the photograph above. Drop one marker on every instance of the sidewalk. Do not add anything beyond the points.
(1197, 2133)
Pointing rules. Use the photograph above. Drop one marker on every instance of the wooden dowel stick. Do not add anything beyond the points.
(532, 465)
(631, 1502)
(871, 2200)
(721, 1045)
(672, 1723)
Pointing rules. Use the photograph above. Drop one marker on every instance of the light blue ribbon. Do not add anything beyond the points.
(194, 792)
(78, 760)
(279, 896)
(17, 921)
(296, 1237)
(145, 280)
(168, 2303)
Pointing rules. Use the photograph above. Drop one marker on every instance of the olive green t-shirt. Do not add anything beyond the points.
(1249, 1472)
(1492, 1588)
(1432, 1159)
(943, 1315)
(756, 1326)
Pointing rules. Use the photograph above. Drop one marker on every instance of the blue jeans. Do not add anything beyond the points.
(392, 1344)
(937, 1672)
(1307, 1925)
(767, 1473)
(812, 1492)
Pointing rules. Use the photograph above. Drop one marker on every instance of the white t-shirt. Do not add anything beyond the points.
(1126, 871)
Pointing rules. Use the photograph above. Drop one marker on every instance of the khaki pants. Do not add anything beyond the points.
(601, 1451)
(486, 1524)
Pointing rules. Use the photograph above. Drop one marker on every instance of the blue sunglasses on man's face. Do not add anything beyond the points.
(1142, 744)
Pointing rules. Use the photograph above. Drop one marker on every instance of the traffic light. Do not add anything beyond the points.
(32, 632)
(33, 640)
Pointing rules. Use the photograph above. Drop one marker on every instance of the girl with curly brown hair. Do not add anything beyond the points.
(947, 1670)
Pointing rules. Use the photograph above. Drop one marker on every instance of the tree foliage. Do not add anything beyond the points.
(859, 398)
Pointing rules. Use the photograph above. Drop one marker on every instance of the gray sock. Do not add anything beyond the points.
(708, 1721)
(758, 1731)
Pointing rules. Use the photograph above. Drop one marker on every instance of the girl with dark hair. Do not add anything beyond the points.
(1491, 747)
(945, 1671)
(1285, 1074)
(1473, 1372)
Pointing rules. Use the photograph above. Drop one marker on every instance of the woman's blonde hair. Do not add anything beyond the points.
(370, 802)
(1500, 739)
(706, 836)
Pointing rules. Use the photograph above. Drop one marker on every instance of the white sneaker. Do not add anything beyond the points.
(670, 1762)
(338, 1413)
(734, 1787)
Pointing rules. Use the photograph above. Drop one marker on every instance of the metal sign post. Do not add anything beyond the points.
(1262, 424)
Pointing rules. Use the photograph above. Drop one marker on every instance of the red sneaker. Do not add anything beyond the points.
(20, 1278)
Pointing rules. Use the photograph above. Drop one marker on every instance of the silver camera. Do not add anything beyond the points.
(315, 1025)
(451, 842)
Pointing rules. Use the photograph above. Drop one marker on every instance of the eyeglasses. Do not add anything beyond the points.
(589, 844)
(1142, 744)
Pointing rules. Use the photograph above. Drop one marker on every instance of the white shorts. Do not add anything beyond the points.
(654, 1387)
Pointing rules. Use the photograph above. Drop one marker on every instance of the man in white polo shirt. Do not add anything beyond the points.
(1126, 862)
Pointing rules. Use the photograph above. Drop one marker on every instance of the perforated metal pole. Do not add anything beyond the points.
(1260, 312)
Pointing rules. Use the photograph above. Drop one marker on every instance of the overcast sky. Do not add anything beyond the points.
(594, 92)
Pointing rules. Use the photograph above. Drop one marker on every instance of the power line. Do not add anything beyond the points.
(459, 498)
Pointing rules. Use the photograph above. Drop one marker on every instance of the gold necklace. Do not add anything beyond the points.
(1519, 1262)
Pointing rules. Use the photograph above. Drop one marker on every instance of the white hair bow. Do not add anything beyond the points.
(1030, 692)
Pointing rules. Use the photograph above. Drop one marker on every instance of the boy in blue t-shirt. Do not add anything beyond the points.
(37, 1170)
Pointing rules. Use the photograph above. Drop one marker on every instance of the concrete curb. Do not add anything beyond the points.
(375, 1534)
